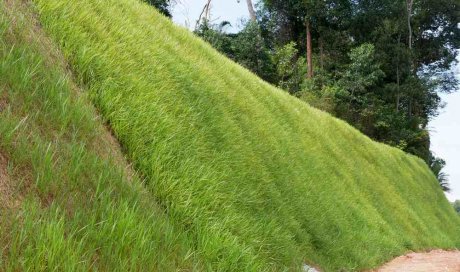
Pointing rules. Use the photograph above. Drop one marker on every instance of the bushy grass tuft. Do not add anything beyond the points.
(238, 175)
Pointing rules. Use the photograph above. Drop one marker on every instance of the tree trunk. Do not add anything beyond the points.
(205, 12)
(398, 94)
(252, 13)
(208, 11)
(321, 53)
(409, 4)
(398, 80)
(309, 49)
(410, 107)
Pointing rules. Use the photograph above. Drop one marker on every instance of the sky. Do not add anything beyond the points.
(444, 129)
(186, 12)
(445, 138)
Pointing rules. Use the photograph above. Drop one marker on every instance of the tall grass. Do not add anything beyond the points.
(261, 180)
(238, 175)
(77, 207)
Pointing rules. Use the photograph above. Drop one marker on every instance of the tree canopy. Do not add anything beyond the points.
(456, 205)
(162, 5)
(380, 65)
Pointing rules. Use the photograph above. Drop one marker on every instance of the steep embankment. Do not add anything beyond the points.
(246, 177)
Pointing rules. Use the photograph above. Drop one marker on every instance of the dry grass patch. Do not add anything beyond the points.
(8, 199)
(3, 100)
(23, 17)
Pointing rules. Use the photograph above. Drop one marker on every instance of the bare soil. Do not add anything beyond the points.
(3, 100)
(433, 261)
(107, 146)
(6, 193)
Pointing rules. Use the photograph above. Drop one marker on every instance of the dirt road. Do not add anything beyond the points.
(434, 261)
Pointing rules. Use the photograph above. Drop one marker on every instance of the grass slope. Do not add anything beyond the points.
(69, 201)
(245, 177)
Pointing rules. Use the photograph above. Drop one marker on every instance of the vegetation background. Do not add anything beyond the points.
(378, 65)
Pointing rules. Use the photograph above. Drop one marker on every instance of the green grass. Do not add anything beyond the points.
(79, 208)
(237, 175)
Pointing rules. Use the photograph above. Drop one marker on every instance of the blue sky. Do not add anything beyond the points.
(445, 138)
(186, 12)
(444, 129)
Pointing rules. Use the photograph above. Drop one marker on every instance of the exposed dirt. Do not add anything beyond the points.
(106, 146)
(6, 192)
(3, 100)
(433, 261)
(33, 33)
(112, 149)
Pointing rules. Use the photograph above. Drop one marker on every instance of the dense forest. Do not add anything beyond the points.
(379, 65)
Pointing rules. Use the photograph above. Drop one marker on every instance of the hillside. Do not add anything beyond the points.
(69, 201)
(229, 173)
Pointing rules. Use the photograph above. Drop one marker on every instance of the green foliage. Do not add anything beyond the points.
(436, 165)
(256, 179)
(162, 5)
(216, 36)
(402, 99)
(246, 48)
(456, 205)
(326, 99)
(250, 51)
(363, 72)
(290, 67)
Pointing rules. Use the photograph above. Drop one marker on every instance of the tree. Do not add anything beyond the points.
(252, 12)
(299, 14)
(456, 205)
(290, 68)
(162, 5)
(246, 47)
(205, 14)
(409, 5)
(380, 65)
(363, 71)
(309, 48)
(436, 166)
(251, 52)
(216, 36)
